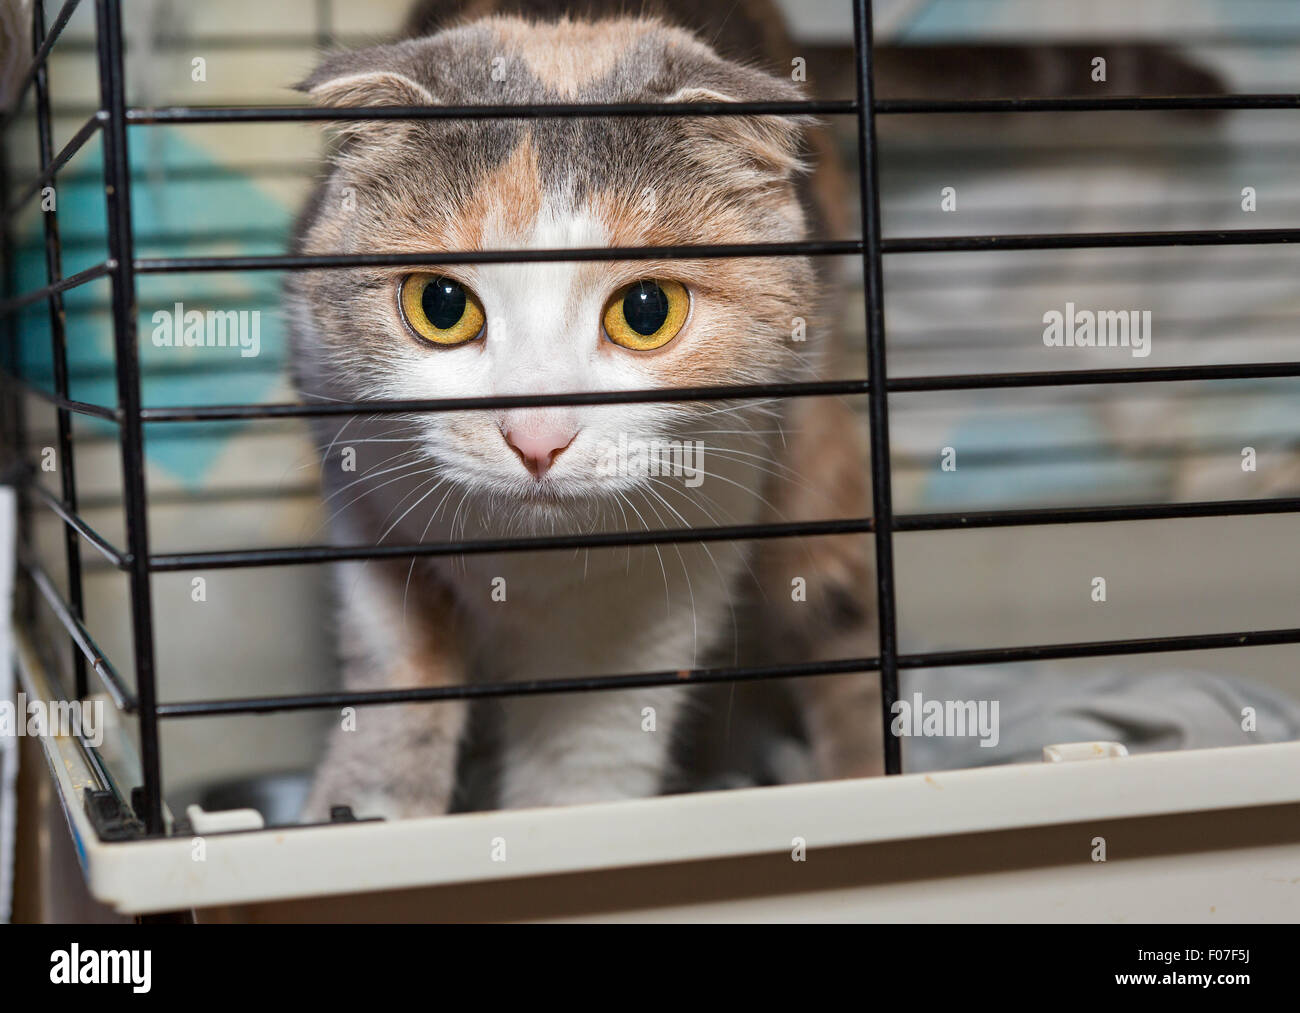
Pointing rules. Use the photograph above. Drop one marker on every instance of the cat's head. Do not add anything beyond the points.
(548, 328)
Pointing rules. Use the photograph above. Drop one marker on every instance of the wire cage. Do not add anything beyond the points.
(137, 812)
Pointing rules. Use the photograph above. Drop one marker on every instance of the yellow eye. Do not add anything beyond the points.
(440, 310)
(647, 314)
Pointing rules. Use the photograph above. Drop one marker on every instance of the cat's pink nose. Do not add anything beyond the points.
(539, 449)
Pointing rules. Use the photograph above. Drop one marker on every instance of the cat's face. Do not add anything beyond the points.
(457, 331)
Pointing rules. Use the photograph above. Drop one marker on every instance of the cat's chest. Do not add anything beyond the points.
(566, 614)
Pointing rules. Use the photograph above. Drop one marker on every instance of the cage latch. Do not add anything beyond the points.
(112, 820)
(1068, 752)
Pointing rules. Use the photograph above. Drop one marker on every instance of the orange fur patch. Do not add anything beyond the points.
(565, 55)
(504, 203)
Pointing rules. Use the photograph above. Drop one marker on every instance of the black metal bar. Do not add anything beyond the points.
(42, 52)
(843, 247)
(1103, 450)
(904, 158)
(72, 281)
(885, 107)
(224, 559)
(209, 413)
(74, 523)
(878, 394)
(532, 687)
(232, 113)
(76, 407)
(1090, 240)
(170, 265)
(299, 114)
(84, 644)
(117, 184)
(231, 558)
(59, 338)
(535, 687)
(839, 388)
(1113, 103)
(51, 166)
(1085, 377)
(959, 520)
(1099, 648)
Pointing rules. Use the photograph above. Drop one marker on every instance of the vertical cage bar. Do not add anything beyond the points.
(59, 349)
(121, 251)
(877, 394)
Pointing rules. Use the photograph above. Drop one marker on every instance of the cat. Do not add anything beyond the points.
(553, 328)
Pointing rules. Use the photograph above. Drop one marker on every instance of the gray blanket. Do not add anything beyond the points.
(1044, 703)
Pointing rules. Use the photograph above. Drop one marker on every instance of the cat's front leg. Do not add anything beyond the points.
(392, 760)
(398, 762)
(568, 749)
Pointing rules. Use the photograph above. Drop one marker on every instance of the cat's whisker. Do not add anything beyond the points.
(724, 583)
(370, 491)
(409, 493)
(460, 560)
(801, 541)
(627, 566)
(372, 474)
(686, 572)
(410, 572)
(702, 473)
(435, 482)
(795, 478)
(658, 554)
(693, 497)
(756, 433)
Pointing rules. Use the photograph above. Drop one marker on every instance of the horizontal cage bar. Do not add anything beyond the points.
(110, 552)
(523, 543)
(1086, 377)
(1071, 104)
(844, 247)
(74, 406)
(169, 265)
(123, 698)
(62, 285)
(934, 659)
(844, 107)
(899, 385)
(533, 687)
(572, 110)
(954, 521)
(209, 413)
(66, 154)
(963, 519)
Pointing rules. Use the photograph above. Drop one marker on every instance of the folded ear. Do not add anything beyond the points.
(773, 144)
(379, 76)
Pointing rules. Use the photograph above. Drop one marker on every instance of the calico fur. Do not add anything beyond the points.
(433, 185)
